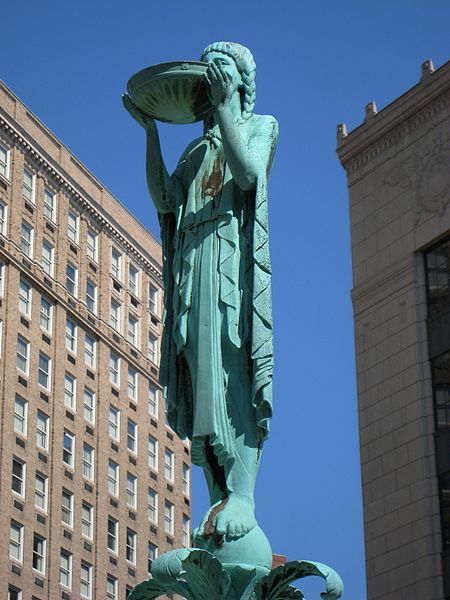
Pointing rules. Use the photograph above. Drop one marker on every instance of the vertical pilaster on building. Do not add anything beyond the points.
(398, 169)
(93, 482)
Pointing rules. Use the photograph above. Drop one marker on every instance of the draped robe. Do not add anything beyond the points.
(217, 346)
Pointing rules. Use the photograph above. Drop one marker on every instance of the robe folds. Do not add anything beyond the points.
(217, 344)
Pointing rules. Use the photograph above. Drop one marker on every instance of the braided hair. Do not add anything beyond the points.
(245, 64)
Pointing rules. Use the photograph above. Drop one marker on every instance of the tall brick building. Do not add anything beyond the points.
(93, 484)
(398, 168)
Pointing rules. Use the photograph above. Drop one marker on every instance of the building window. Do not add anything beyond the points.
(131, 546)
(71, 279)
(16, 541)
(3, 217)
(114, 315)
(67, 508)
(152, 505)
(70, 385)
(113, 534)
(186, 531)
(65, 569)
(114, 369)
(18, 476)
(111, 588)
(116, 260)
(89, 351)
(4, 162)
(68, 448)
(26, 239)
(440, 368)
(87, 520)
(46, 315)
(153, 299)
(39, 544)
(131, 491)
(153, 400)
(28, 188)
(14, 593)
(42, 421)
(86, 580)
(20, 415)
(186, 480)
(91, 248)
(437, 267)
(73, 226)
(89, 405)
(47, 258)
(152, 452)
(71, 336)
(132, 383)
(88, 462)
(133, 330)
(44, 373)
(23, 354)
(132, 432)
(444, 489)
(152, 555)
(25, 297)
(91, 296)
(153, 348)
(133, 280)
(113, 478)
(114, 422)
(168, 517)
(40, 491)
(50, 205)
(169, 460)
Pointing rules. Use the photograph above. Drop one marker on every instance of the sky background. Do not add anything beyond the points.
(318, 64)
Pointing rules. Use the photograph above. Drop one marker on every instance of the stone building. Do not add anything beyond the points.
(398, 168)
(93, 483)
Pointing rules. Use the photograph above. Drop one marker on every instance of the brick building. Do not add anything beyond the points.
(398, 168)
(93, 484)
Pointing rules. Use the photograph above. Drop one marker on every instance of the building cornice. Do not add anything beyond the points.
(89, 205)
(384, 129)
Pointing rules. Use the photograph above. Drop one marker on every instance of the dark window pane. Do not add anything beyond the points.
(437, 265)
(444, 487)
(440, 367)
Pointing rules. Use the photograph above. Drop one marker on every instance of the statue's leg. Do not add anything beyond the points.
(237, 517)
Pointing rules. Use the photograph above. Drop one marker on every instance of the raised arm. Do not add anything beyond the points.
(160, 184)
(242, 161)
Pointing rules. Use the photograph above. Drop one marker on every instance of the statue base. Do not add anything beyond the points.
(196, 574)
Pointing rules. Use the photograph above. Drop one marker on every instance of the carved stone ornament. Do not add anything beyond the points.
(428, 177)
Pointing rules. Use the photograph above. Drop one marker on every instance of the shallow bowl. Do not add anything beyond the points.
(172, 92)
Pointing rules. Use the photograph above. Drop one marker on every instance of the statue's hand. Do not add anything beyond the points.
(144, 120)
(220, 85)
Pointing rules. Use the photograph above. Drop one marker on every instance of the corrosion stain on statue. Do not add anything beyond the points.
(212, 184)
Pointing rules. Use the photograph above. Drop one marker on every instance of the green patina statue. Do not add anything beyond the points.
(217, 348)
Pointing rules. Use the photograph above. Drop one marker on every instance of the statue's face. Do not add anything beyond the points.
(228, 65)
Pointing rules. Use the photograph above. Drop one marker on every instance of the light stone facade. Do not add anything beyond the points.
(52, 209)
(398, 169)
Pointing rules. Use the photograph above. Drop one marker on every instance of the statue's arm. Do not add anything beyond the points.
(242, 163)
(161, 186)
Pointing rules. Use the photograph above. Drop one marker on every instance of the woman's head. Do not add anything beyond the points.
(246, 67)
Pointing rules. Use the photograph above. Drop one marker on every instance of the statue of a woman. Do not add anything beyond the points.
(217, 348)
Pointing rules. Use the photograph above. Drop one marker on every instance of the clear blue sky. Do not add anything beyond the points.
(319, 63)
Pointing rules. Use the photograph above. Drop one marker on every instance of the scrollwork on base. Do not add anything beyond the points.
(198, 575)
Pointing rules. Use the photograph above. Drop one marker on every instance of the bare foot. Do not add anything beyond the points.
(236, 519)
(200, 531)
